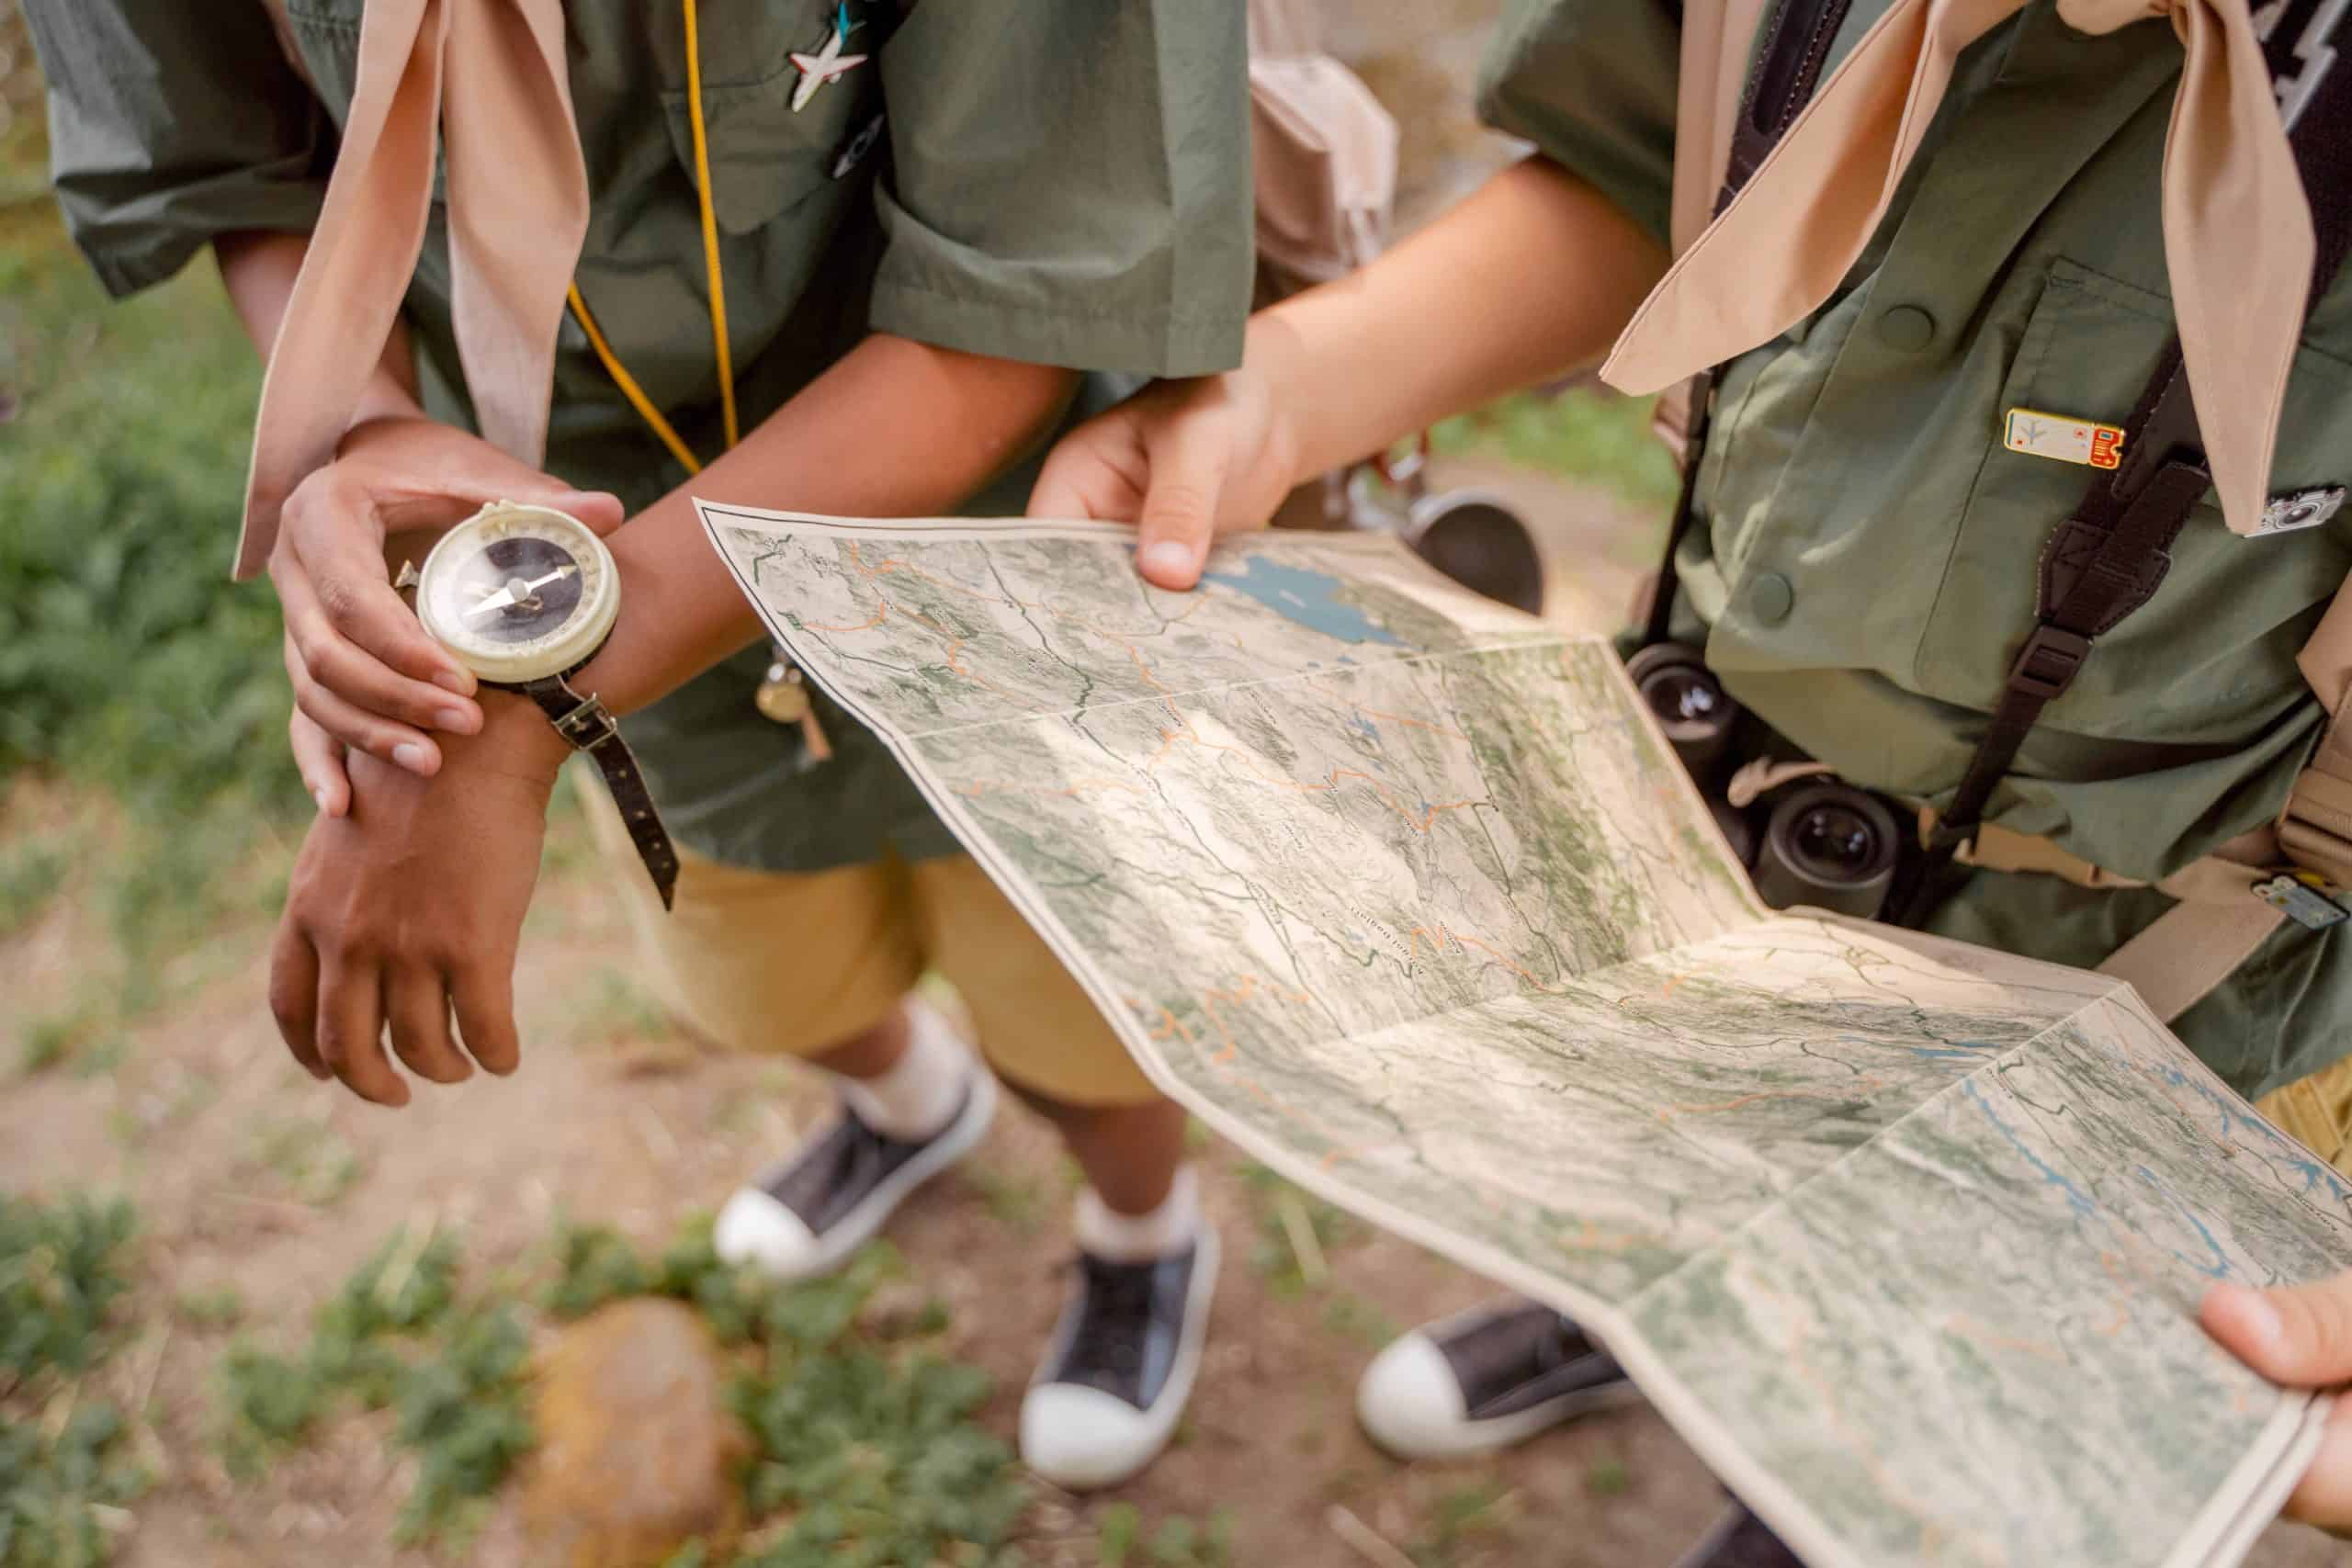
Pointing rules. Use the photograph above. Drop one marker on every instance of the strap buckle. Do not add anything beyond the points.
(586, 725)
(2048, 661)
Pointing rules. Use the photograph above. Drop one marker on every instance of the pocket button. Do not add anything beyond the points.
(1769, 598)
(1906, 329)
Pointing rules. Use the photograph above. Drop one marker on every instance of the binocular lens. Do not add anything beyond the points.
(1835, 836)
(1691, 703)
(1677, 695)
(1829, 845)
(1483, 546)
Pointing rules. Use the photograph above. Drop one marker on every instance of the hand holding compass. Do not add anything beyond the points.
(364, 676)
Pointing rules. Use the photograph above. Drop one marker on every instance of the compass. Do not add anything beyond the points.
(518, 593)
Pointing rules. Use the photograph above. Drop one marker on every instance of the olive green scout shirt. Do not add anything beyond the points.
(1866, 560)
(1063, 182)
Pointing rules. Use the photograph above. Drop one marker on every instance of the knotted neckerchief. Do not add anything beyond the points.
(485, 79)
(2238, 240)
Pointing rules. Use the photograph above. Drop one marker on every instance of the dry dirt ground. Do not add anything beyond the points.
(249, 1175)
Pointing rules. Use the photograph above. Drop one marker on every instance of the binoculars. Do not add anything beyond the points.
(1821, 841)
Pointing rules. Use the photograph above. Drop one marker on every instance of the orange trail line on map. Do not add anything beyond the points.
(1168, 1026)
(1443, 933)
(1864, 1445)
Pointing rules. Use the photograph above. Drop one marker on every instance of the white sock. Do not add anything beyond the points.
(923, 1087)
(1115, 1237)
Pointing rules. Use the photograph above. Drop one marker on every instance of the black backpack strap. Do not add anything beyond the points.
(2111, 555)
(1788, 68)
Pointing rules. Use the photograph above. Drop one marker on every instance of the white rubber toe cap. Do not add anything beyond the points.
(754, 1228)
(1409, 1402)
(1081, 1438)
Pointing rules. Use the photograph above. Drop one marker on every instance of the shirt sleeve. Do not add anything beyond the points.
(1071, 183)
(170, 123)
(1592, 84)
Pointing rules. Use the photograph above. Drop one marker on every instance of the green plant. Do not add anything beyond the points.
(878, 1460)
(1480, 1509)
(1115, 1529)
(594, 1264)
(224, 1306)
(463, 1415)
(65, 1472)
(30, 873)
(1014, 1201)
(131, 669)
(61, 1278)
(62, 1499)
(407, 1288)
(1296, 1234)
(307, 1160)
(1179, 1542)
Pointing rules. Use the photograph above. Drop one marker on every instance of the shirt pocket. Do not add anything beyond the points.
(766, 156)
(325, 35)
(2211, 654)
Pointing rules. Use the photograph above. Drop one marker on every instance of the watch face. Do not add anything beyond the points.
(518, 592)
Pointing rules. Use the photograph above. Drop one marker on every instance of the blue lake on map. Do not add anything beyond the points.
(1309, 598)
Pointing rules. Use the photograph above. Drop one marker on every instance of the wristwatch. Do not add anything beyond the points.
(525, 596)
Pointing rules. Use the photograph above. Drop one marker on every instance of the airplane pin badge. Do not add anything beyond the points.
(827, 63)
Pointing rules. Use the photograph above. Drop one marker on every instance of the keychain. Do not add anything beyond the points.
(784, 697)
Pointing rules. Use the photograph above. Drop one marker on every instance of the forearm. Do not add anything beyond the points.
(259, 269)
(1533, 275)
(895, 429)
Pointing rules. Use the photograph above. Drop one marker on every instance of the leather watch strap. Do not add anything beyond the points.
(585, 722)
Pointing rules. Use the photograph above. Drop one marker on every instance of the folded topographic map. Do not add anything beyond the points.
(1402, 892)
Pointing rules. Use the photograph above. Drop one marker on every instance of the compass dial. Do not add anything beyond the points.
(518, 593)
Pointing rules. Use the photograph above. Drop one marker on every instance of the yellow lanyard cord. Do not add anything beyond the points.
(613, 367)
(629, 389)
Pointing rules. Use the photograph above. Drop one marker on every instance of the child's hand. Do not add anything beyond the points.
(2300, 1335)
(1188, 460)
(365, 674)
(411, 909)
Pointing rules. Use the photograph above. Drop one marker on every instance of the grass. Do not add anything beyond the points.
(1482, 1511)
(66, 1472)
(864, 1443)
(135, 678)
(1596, 437)
(400, 1335)
(1296, 1234)
(1177, 1541)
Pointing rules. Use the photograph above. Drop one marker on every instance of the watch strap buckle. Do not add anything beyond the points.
(587, 724)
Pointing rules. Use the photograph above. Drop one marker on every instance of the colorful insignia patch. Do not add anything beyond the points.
(2063, 440)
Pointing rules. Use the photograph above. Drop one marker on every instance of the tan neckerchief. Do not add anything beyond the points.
(486, 79)
(2238, 240)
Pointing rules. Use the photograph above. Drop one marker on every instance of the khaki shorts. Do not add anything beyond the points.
(2317, 1111)
(796, 963)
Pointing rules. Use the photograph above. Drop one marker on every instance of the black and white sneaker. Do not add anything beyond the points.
(1739, 1539)
(1119, 1368)
(810, 1213)
(1484, 1380)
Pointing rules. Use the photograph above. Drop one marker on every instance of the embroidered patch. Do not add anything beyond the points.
(2300, 509)
(2065, 440)
(855, 150)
